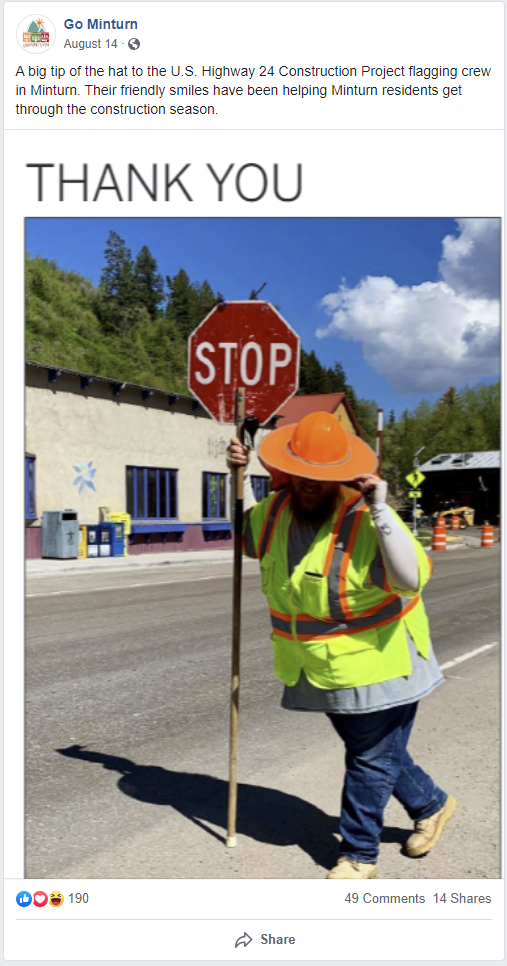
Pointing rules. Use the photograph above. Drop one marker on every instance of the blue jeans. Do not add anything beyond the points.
(377, 766)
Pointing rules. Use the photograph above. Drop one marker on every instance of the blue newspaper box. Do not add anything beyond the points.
(105, 539)
(112, 539)
(92, 539)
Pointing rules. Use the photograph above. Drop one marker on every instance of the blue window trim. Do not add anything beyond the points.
(205, 482)
(134, 486)
(260, 486)
(30, 514)
(156, 527)
(140, 486)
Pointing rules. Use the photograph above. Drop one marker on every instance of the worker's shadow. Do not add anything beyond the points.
(264, 814)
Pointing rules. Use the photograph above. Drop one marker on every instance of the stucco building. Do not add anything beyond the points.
(93, 442)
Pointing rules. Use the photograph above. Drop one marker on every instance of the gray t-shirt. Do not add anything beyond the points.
(304, 696)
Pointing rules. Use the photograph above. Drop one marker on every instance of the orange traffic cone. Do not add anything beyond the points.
(454, 523)
(487, 536)
(439, 537)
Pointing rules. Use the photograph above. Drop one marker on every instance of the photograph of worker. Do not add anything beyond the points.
(371, 535)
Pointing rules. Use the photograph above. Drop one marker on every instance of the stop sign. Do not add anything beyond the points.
(243, 344)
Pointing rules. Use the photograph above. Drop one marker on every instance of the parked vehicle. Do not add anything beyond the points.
(466, 515)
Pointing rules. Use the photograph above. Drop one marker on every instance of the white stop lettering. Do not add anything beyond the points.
(244, 364)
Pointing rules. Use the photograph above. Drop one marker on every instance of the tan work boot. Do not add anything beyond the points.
(428, 830)
(349, 869)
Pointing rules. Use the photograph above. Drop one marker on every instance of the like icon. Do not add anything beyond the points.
(40, 899)
(23, 898)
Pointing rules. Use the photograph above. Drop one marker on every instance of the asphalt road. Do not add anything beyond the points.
(127, 731)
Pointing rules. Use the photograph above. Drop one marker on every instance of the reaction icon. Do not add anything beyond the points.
(23, 898)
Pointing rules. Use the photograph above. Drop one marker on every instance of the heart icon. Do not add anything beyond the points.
(39, 899)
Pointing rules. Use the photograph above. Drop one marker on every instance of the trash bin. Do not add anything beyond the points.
(60, 534)
(92, 539)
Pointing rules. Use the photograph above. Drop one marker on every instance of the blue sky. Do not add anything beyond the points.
(408, 306)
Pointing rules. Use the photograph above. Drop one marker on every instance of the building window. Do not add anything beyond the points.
(151, 493)
(260, 486)
(213, 496)
(30, 503)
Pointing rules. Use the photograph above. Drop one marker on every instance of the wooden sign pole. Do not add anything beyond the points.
(239, 471)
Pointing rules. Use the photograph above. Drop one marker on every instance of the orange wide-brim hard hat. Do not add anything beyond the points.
(318, 448)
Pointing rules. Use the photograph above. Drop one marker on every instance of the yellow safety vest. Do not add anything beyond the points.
(336, 617)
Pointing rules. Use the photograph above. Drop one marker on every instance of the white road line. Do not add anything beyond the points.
(96, 590)
(468, 655)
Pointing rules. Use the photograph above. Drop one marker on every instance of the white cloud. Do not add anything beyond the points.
(471, 260)
(426, 337)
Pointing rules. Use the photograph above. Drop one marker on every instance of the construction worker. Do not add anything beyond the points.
(343, 577)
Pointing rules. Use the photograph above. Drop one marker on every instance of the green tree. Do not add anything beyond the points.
(148, 285)
(313, 378)
(365, 412)
(180, 302)
(204, 301)
(116, 280)
(481, 409)
(116, 303)
(339, 383)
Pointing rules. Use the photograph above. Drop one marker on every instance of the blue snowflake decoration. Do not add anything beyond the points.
(85, 476)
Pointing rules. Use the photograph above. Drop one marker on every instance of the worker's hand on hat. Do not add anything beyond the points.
(373, 489)
(237, 453)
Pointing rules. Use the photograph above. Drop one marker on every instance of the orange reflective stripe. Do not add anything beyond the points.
(336, 529)
(268, 527)
(281, 624)
(358, 628)
(332, 540)
(264, 528)
(378, 607)
(342, 577)
(283, 503)
(309, 628)
(282, 617)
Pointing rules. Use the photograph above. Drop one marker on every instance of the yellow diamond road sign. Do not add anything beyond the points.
(415, 479)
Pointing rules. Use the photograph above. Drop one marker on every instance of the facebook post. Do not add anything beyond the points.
(253, 275)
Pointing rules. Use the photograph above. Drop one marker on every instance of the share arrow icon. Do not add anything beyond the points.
(243, 940)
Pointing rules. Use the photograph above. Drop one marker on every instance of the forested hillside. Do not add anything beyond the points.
(135, 324)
